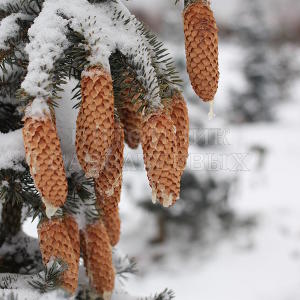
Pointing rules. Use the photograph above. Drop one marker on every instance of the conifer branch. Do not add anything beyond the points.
(50, 278)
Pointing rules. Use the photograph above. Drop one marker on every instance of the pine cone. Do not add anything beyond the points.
(73, 231)
(180, 118)
(98, 256)
(44, 157)
(112, 224)
(109, 184)
(201, 44)
(55, 242)
(131, 118)
(160, 157)
(95, 122)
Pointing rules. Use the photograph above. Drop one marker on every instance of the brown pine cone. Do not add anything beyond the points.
(131, 119)
(73, 231)
(55, 242)
(95, 122)
(98, 257)
(110, 178)
(160, 157)
(201, 44)
(109, 184)
(180, 118)
(44, 157)
(112, 224)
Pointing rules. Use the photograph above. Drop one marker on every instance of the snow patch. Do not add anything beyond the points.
(12, 150)
(38, 109)
(9, 29)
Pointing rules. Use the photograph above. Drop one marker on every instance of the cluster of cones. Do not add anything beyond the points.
(100, 141)
(201, 44)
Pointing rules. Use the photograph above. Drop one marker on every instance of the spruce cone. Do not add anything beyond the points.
(95, 120)
(44, 157)
(110, 178)
(160, 157)
(73, 231)
(180, 118)
(55, 242)
(131, 119)
(109, 184)
(98, 256)
(201, 44)
(112, 224)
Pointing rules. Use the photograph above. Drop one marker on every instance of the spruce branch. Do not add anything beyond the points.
(7, 281)
(165, 295)
(121, 71)
(50, 278)
(79, 190)
(125, 266)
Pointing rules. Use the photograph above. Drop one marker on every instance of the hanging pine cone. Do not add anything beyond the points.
(95, 122)
(130, 116)
(180, 118)
(110, 177)
(201, 44)
(109, 183)
(112, 224)
(98, 256)
(44, 157)
(55, 242)
(73, 231)
(160, 157)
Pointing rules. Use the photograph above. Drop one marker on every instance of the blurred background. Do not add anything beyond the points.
(235, 233)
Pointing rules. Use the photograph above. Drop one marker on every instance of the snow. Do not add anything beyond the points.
(9, 29)
(12, 150)
(38, 109)
(47, 43)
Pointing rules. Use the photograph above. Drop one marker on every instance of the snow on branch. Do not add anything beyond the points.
(47, 43)
(9, 28)
(132, 43)
(12, 150)
(106, 27)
